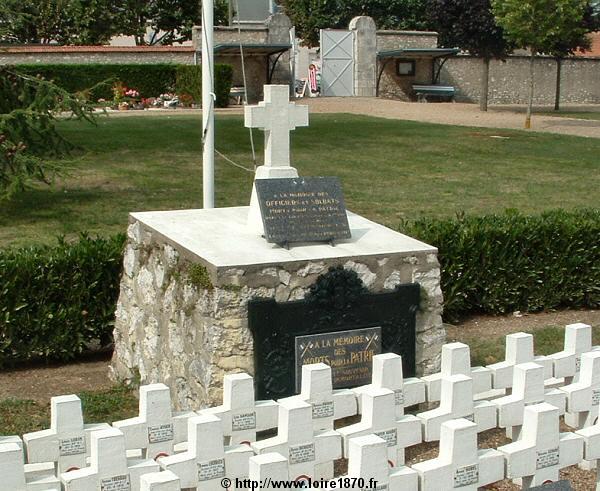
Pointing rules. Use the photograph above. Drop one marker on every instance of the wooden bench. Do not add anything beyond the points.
(424, 92)
(238, 94)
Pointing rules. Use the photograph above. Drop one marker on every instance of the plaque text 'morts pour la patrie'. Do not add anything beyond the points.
(303, 209)
(348, 353)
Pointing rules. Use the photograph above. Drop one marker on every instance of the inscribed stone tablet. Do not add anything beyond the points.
(348, 353)
(303, 209)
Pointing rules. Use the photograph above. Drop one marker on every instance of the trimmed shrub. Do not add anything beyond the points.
(150, 80)
(189, 82)
(499, 264)
(55, 300)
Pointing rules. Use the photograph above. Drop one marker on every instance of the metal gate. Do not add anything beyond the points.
(337, 63)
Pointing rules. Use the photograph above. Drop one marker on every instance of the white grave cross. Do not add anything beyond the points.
(66, 443)
(241, 416)
(207, 461)
(541, 451)
(457, 402)
(388, 374)
(519, 349)
(160, 481)
(578, 340)
(379, 417)
(456, 360)
(583, 397)
(328, 405)
(267, 468)
(16, 476)
(276, 116)
(109, 467)
(306, 452)
(460, 464)
(367, 460)
(591, 438)
(155, 430)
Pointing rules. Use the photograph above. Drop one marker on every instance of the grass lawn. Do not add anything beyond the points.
(390, 170)
(593, 115)
(18, 416)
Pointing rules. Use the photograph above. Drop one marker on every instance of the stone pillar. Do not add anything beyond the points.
(365, 56)
(278, 32)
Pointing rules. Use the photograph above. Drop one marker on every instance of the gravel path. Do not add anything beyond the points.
(441, 113)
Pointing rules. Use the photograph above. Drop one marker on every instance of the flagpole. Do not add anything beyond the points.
(208, 101)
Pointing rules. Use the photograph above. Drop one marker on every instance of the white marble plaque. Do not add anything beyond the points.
(322, 410)
(302, 453)
(116, 483)
(212, 469)
(595, 397)
(390, 436)
(71, 446)
(399, 397)
(245, 421)
(160, 433)
(467, 475)
(547, 458)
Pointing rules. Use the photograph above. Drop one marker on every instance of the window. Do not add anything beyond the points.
(405, 68)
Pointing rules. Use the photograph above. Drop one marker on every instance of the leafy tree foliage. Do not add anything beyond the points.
(85, 22)
(309, 16)
(28, 136)
(540, 25)
(471, 26)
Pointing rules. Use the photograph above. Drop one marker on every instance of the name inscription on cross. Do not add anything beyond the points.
(276, 116)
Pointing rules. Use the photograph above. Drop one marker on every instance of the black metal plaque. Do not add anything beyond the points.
(348, 353)
(554, 486)
(337, 303)
(303, 209)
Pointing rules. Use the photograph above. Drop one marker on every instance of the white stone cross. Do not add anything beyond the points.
(379, 417)
(367, 460)
(241, 416)
(457, 402)
(267, 468)
(460, 464)
(160, 481)
(109, 467)
(328, 405)
(519, 349)
(528, 389)
(541, 451)
(456, 360)
(207, 461)
(276, 116)
(591, 438)
(67, 442)
(309, 455)
(156, 430)
(578, 340)
(387, 374)
(16, 476)
(583, 397)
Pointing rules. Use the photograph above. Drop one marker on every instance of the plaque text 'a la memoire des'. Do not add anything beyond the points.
(304, 209)
(348, 353)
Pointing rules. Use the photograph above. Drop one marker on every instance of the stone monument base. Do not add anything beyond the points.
(182, 314)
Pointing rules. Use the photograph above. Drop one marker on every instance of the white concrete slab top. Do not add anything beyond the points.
(220, 236)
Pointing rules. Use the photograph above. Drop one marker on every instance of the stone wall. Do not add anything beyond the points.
(187, 326)
(95, 54)
(509, 80)
(394, 86)
(391, 40)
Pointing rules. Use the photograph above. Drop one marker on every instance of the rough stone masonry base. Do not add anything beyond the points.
(182, 315)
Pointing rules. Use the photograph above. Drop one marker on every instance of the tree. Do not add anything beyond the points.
(309, 16)
(471, 26)
(538, 25)
(169, 21)
(28, 136)
(573, 42)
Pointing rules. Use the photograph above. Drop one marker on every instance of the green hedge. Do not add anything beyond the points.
(189, 81)
(150, 80)
(54, 300)
(499, 264)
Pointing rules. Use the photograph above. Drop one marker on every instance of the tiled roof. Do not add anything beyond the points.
(50, 48)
